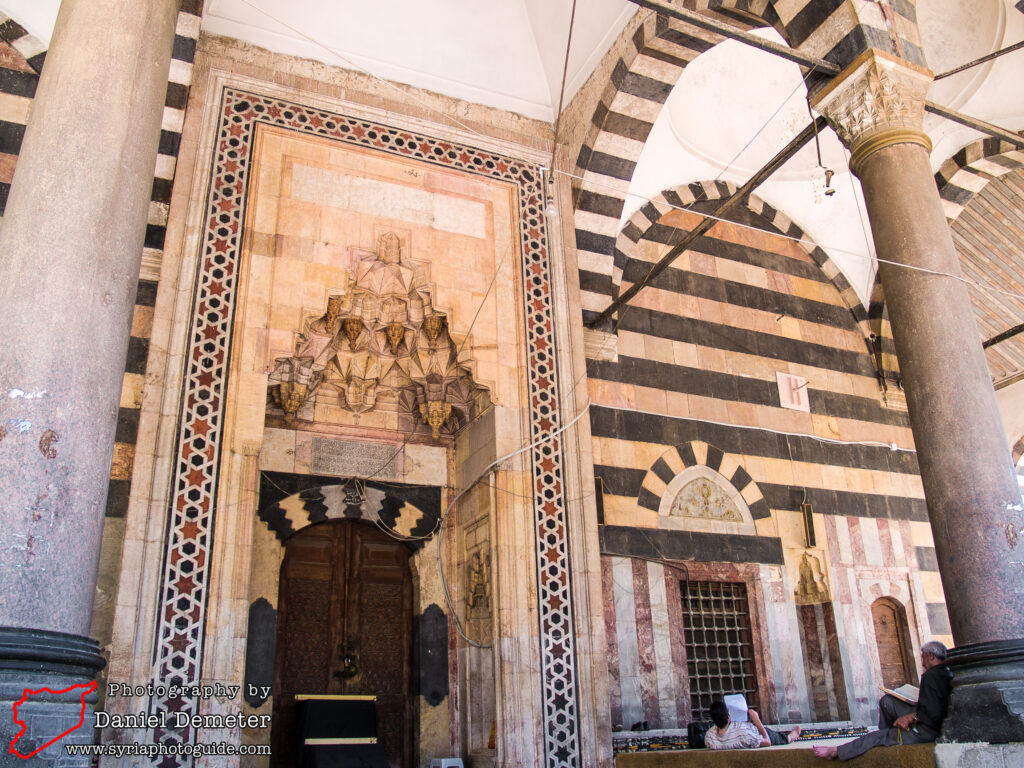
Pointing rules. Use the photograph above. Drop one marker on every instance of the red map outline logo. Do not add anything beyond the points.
(89, 688)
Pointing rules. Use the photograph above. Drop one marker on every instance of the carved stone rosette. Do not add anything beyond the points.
(877, 101)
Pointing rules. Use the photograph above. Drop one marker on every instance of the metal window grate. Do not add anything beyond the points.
(719, 648)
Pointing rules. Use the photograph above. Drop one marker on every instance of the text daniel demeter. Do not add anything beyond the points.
(162, 719)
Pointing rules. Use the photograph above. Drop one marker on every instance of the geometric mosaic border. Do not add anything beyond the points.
(185, 580)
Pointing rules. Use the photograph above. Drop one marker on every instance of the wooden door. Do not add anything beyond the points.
(344, 626)
(890, 636)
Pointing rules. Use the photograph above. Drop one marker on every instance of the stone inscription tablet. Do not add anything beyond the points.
(348, 458)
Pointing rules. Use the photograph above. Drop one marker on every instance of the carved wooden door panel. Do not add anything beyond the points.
(345, 627)
(892, 652)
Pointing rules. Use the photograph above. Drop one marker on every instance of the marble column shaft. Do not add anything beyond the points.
(70, 247)
(974, 502)
(970, 487)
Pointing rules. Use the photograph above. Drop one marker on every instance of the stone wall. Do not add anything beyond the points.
(290, 173)
(694, 378)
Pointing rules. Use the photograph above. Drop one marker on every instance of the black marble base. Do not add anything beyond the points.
(987, 700)
(46, 676)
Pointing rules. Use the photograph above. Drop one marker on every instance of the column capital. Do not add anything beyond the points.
(877, 101)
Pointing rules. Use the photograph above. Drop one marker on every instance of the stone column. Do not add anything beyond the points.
(70, 247)
(876, 106)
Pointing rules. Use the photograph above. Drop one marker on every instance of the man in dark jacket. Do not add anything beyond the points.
(903, 723)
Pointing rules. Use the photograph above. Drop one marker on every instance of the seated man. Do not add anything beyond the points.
(903, 723)
(729, 735)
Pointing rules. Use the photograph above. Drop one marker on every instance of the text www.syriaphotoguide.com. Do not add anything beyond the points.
(156, 750)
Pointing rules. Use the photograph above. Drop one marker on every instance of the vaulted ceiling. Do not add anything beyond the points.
(732, 109)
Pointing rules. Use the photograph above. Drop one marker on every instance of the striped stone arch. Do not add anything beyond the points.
(700, 454)
(410, 512)
(649, 214)
(873, 322)
(640, 83)
(959, 179)
(29, 46)
(967, 172)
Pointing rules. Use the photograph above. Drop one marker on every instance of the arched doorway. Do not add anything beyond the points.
(345, 627)
(892, 639)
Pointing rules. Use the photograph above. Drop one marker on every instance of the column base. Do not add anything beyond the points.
(987, 701)
(32, 661)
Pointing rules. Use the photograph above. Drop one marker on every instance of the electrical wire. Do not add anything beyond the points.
(855, 254)
(465, 489)
(408, 94)
(819, 438)
(411, 94)
(676, 565)
(484, 473)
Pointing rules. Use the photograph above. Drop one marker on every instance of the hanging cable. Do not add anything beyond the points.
(487, 470)
(458, 354)
(833, 249)
(406, 94)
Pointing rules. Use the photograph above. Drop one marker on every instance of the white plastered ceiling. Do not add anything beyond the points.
(503, 53)
(733, 108)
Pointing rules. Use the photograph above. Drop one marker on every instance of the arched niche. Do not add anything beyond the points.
(701, 499)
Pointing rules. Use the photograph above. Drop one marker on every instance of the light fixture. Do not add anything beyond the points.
(551, 210)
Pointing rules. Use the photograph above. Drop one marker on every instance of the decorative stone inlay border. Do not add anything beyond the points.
(185, 580)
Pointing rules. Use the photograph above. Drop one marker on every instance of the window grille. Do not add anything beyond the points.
(719, 647)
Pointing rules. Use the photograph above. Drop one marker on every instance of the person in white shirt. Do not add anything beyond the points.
(729, 735)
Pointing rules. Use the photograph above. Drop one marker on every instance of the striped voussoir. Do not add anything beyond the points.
(699, 453)
(645, 75)
(29, 46)
(18, 81)
(967, 172)
(640, 83)
(412, 513)
(873, 321)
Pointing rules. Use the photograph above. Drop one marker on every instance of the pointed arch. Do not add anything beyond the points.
(640, 83)
(970, 170)
(871, 321)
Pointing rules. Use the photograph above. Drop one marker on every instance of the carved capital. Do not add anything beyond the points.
(251, 448)
(877, 101)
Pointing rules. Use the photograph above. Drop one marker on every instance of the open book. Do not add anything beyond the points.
(737, 704)
(907, 693)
